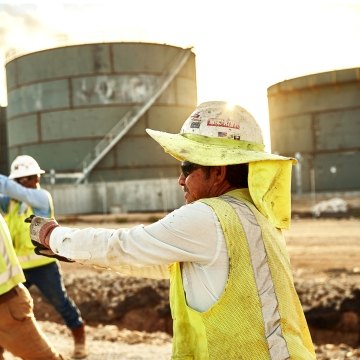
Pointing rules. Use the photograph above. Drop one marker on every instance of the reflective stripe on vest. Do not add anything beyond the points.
(264, 283)
(11, 273)
(292, 319)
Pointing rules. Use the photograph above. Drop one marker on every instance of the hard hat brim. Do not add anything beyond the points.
(209, 151)
(24, 174)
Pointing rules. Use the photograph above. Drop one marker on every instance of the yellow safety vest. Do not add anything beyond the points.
(259, 315)
(20, 234)
(11, 273)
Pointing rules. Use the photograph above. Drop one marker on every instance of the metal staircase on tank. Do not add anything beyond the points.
(131, 117)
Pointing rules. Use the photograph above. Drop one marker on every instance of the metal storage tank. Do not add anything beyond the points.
(4, 166)
(317, 119)
(82, 110)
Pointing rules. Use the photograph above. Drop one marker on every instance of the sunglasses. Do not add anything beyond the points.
(187, 168)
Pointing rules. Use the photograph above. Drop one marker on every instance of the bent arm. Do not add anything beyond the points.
(36, 198)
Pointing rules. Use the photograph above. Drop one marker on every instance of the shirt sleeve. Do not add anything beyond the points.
(4, 203)
(185, 235)
(36, 198)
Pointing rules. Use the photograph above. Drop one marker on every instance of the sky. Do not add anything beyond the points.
(241, 47)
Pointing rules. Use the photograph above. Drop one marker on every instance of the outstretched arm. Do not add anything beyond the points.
(186, 235)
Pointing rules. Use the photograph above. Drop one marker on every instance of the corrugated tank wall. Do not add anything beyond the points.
(4, 165)
(317, 119)
(63, 102)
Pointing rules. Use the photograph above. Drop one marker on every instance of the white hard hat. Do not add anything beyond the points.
(24, 165)
(216, 134)
(218, 119)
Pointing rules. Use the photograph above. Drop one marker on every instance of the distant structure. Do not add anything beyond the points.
(82, 110)
(316, 118)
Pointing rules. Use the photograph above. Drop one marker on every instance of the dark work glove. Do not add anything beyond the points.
(44, 251)
(40, 230)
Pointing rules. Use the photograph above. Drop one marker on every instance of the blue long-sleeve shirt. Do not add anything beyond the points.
(38, 199)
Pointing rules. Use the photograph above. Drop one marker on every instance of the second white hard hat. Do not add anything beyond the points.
(24, 165)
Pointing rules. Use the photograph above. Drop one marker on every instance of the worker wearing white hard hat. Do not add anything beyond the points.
(232, 295)
(20, 196)
(217, 133)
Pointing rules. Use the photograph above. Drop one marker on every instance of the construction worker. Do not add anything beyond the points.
(21, 195)
(232, 294)
(19, 332)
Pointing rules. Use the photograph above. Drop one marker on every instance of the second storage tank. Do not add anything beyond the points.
(317, 119)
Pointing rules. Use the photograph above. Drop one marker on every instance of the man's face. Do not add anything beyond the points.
(196, 181)
(29, 181)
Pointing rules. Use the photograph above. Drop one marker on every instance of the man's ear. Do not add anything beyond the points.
(220, 173)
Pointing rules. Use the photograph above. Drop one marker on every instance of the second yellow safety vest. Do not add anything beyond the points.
(20, 234)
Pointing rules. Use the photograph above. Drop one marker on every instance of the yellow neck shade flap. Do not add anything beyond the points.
(269, 174)
(270, 189)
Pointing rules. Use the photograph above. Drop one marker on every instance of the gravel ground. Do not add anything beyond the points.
(109, 343)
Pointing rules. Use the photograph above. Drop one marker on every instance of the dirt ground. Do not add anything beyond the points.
(318, 248)
(322, 245)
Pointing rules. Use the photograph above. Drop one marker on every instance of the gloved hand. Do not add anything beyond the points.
(40, 231)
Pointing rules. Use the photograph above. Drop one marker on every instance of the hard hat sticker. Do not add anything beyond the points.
(223, 123)
(195, 124)
(222, 134)
(195, 116)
